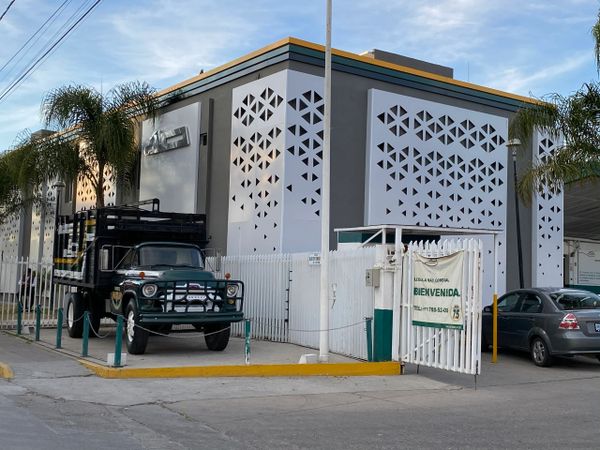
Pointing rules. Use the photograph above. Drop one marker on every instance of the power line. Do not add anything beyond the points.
(6, 10)
(34, 34)
(14, 85)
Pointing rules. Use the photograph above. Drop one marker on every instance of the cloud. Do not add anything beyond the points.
(515, 79)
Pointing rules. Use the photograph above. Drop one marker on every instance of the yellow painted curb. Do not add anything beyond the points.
(266, 370)
(6, 372)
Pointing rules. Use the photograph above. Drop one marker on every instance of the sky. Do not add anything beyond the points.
(527, 47)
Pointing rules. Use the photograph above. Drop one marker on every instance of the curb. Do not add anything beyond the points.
(6, 372)
(262, 370)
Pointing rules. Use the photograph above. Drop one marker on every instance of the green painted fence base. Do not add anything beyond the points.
(382, 342)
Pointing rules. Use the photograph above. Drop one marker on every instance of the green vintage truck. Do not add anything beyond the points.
(147, 266)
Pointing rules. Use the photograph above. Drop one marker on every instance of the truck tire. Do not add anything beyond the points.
(74, 314)
(216, 336)
(136, 337)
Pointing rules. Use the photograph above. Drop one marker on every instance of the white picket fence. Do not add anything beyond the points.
(29, 284)
(282, 297)
(448, 349)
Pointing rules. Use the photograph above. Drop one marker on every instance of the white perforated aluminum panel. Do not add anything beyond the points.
(86, 195)
(275, 171)
(435, 165)
(547, 221)
(9, 238)
(48, 228)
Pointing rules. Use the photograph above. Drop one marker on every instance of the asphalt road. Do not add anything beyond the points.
(53, 403)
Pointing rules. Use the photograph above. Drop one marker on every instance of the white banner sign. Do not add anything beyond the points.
(438, 291)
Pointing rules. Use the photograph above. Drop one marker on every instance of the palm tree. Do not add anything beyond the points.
(23, 169)
(99, 131)
(575, 119)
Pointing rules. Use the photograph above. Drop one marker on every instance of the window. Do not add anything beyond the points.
(531, 303)
(568, 300)
(508, 303)
(129, 260)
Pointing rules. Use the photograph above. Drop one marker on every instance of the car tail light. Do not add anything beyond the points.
(569, 322)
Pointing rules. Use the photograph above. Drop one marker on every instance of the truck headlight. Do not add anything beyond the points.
(149, 290)
(232, 290)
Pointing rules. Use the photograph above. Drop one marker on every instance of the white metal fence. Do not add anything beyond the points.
(282, 297)
(449, 349)
(29, 284)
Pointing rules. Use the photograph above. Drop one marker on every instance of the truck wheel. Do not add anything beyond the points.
(136, 337)
(75, 310)
(217, 336)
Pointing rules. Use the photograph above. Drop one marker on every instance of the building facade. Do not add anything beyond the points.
(411, 146)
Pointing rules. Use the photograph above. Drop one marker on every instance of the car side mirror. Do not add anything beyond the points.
(487, 308)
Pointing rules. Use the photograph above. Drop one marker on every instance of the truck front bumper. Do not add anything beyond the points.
(183, 318)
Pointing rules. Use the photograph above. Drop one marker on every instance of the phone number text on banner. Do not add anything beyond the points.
(437, 291)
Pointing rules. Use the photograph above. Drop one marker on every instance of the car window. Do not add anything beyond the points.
(531, 303)
(508, 303)
(568, 300)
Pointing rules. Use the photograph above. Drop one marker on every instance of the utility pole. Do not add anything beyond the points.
(324, 297)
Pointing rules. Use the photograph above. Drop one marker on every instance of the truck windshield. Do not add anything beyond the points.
(154, 256)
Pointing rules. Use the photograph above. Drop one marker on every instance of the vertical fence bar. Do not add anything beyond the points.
(86, 334)
(59, 325)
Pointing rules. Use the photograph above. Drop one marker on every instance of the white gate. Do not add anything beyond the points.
(449, 349)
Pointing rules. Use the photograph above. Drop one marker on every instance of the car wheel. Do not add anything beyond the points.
(74, 315)
(217, 336)
(539, 353)
(136, 337)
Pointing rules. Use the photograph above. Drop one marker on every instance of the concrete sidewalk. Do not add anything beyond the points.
(186, 355)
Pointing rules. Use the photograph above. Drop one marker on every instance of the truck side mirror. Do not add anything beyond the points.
(105, 259)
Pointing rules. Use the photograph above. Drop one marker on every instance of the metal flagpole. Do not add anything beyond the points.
(324, 297)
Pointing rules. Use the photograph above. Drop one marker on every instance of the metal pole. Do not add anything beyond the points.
(495, 305)
(86, 333)
(247, 331)
(59, 326)
(518, 217)
(324, 291)
(19, 318)
(119, 341)
(38, 321)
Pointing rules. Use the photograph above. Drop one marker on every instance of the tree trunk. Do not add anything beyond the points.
(100, 187)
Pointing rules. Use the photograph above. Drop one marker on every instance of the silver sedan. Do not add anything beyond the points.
(546, 322)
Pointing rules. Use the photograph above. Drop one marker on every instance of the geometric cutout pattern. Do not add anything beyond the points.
(36, 215)
(547, 222)
(86, 195)
(276, 152)
(9, 239)
(435, 165)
